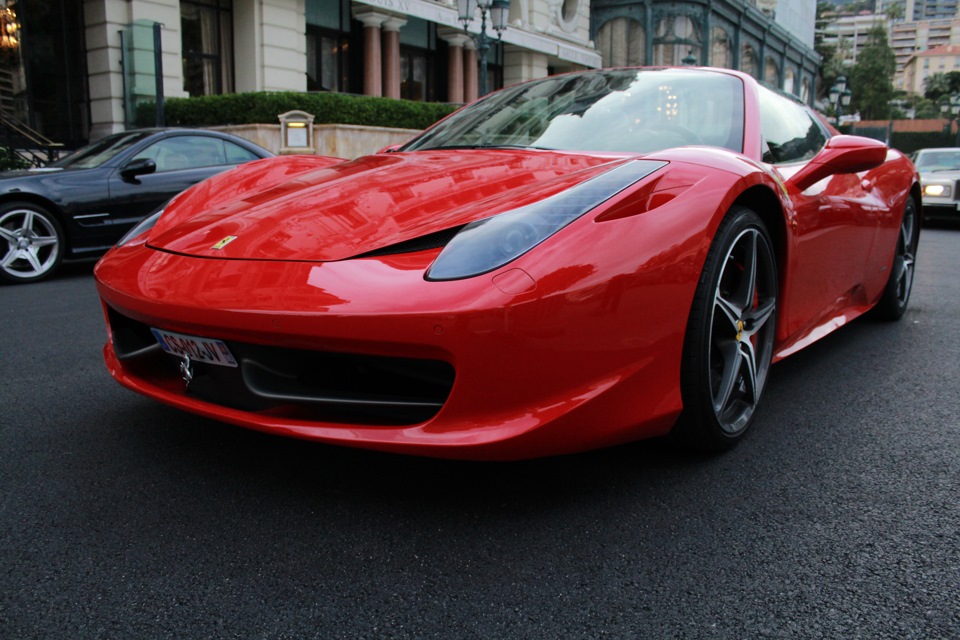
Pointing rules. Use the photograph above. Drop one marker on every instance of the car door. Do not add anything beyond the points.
(835, 221)
(182, 161)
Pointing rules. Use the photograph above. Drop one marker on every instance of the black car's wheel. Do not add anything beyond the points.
(729, 340)
(893, 302)
(31, 242)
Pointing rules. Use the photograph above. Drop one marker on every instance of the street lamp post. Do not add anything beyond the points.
(840, 97)
(950, 107)
(498, 10)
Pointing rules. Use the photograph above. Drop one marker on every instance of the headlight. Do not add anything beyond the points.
(937, 190)
(488, 244)
(141, 227)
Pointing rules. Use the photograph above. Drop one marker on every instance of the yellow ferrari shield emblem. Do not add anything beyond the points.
(224, 242)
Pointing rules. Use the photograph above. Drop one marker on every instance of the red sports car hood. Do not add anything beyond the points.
(354, 207)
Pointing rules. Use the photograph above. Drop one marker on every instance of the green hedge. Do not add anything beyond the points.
(10, 160)
(263, 108)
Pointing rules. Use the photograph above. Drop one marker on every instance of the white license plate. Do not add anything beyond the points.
(199, 349)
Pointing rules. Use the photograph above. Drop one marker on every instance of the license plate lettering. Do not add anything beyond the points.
(199, 349)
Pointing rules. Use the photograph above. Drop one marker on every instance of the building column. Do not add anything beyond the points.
(470, 82)
(455, 65)
(372, 70)
(521, 64)
(391, 56)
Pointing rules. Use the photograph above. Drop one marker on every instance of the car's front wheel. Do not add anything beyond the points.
(729, 340)
(31, 242)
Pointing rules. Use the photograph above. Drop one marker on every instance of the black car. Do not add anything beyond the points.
(81, 205)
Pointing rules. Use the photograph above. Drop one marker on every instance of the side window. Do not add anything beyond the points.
(791, 134)
(185, 152)
(237, 154)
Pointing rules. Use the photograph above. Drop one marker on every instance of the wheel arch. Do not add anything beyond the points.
(764, 202)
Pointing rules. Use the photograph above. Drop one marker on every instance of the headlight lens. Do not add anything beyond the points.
(141, 227)
(488, 244)
(937, 190)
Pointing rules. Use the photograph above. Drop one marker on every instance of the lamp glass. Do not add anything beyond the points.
(499, 14)
(466, 9)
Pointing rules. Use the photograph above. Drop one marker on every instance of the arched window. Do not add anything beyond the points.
(789, 81)
(621, 42)
(771, 71)
(721, 51)
(748, 60)
(677, 38)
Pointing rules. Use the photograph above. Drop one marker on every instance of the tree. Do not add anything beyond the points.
(871, 79)
(894, 11)
(831, 62)
(936, 85)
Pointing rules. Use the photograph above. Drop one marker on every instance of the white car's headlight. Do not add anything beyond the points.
(488, 244)
(937, 190)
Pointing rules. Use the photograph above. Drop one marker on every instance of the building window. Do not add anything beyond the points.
(721, 51)
(748, 60)
(207, 32)
(328, 67)
(328, 45)
(418, 45)
(676, 38)
(621, 43)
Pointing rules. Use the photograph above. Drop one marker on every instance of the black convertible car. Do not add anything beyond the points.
(81, 205)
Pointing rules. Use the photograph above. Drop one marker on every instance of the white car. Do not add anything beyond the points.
(939, 178)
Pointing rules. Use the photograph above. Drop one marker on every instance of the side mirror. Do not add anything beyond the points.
(841, 154)
(137, 167)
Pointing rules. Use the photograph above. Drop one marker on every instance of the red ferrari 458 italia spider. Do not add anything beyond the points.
(565, 264)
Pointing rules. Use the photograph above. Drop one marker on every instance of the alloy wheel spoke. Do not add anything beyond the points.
(44, 241)
(756, 318)
(730, 310)
(749, 357)
(31, 256)
(27, 225)
(748, 282)
(12, 256)
(728, 377)
(8, 235)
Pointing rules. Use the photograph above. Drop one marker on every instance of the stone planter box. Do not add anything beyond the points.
(338, 140)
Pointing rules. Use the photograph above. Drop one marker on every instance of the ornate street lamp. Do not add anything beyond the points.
(840, 97)
(498, 10)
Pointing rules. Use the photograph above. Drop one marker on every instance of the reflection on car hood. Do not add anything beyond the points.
(373, 202)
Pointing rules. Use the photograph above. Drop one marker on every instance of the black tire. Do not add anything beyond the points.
(729, 340)
(896, 296)
(31, 242)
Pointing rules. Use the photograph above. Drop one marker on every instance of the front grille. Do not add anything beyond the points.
(302, 384)
(956, 190)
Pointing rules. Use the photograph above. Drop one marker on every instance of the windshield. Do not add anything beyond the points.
(939, 160)
(99, 152)
(620, 110)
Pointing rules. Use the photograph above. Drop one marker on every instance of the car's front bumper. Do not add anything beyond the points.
(532, 370)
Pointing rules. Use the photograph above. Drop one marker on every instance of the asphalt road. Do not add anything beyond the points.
(838, 518)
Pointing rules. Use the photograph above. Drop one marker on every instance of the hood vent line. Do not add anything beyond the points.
(436, 240)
